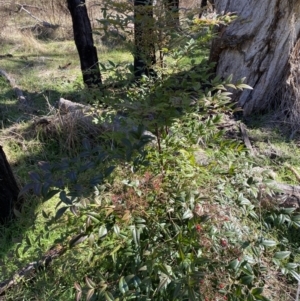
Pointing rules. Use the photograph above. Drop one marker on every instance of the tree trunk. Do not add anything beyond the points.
(85, 44)
(144, 38)
(172, 14)
(257, 45)
(9, 190)
(203, 4)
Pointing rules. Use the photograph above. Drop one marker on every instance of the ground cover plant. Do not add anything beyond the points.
(169, 206)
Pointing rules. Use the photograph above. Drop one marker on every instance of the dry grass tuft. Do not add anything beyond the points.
(29, 44)
(68, 129)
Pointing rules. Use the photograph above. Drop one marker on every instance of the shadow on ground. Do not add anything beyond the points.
(164, 105)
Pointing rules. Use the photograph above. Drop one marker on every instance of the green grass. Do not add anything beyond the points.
(172, 175)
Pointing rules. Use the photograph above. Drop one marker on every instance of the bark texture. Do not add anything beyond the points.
(9, 189)
(257, 45)
(85, 44)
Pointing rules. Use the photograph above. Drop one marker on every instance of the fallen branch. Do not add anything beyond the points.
(67, 106)
(30, 6)
(43, 23)
(20, 96)
(75, 122)
(78, 110)
(287, 188)
(287, 196)
(22, 7)
(29, 272)
(85, 113)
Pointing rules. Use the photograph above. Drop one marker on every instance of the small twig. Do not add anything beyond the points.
(29, 6)
(51, 108)
(31, 269)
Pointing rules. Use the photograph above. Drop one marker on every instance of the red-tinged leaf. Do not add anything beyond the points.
(78, 295)
(90, 294)
(73, 209)
(77, 286)
(109, 211)
(89, 282)
(88, 222)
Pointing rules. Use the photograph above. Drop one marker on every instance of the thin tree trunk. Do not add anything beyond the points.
(257, 45)
(85, 44)
(9, 190)
(172, 13)
(144, 37)
(203, 4)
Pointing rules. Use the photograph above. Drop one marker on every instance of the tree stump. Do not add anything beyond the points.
(257, 45)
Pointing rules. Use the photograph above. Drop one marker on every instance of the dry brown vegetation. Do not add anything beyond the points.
(21, 21)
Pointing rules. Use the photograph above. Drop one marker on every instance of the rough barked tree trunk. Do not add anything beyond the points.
(85, 44)
(9, 190)
(144, 38)
(257, 45)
